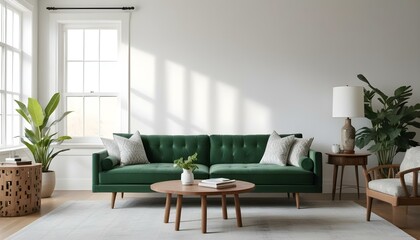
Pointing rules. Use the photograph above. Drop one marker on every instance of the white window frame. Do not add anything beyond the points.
(27, 72)
(58, 21)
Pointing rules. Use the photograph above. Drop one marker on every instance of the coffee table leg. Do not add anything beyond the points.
(178, 211)
(238, 211)
(203, 213)
(224, 210)
(167, 208)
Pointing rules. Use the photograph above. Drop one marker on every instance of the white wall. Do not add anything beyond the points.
(251, 66)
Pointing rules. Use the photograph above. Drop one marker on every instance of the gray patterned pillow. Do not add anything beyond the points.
(131, 150)
(299, 149)
(112, 147)
(277, 149)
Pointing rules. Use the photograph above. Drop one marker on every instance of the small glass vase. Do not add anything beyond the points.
(187, 177)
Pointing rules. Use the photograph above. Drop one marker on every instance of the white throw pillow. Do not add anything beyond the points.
(277, 149)
(299, 149)
(112, 147)
(131, 150)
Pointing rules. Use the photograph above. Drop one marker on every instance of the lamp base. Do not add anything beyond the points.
(348, 134)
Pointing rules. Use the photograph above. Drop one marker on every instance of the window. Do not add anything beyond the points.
(10, 73)
(90, 52)
(91, 67)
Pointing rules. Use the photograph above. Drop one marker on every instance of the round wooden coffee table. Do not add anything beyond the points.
(175, 187)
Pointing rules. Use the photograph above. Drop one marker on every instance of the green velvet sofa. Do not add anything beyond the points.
(230, 156)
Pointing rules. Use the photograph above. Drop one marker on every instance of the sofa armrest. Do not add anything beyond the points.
(317, 158)
(96, 166)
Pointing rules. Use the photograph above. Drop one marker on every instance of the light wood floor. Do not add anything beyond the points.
(10, 225)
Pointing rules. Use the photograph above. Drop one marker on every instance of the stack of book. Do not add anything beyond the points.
(217, 183)
(15, 161)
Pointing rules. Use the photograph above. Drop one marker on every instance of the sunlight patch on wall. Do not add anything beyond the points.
(143, 91)
(200, 103)
(226, 112)
(256, 117)
(176, 96)
(145, 81)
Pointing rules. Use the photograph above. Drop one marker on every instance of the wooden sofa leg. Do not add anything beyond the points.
(114, 195)
(297, 200)
(368, 207)
(122, 194)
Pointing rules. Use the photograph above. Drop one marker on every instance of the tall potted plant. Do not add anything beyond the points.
(391, 122)
(39, 139)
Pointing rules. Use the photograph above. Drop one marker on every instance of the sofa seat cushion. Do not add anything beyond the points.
(264, 174)
(147, 173)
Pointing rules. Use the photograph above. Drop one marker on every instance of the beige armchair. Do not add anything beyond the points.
(400, 188)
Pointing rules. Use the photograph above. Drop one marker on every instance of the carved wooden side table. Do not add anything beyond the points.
(341, 159)
(20, 189)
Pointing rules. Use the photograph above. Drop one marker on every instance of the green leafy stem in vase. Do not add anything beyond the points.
(188, 163)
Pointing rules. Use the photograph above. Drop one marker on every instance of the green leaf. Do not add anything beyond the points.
(35, 111)
(52, 105)
(24, 115)
(414, 124)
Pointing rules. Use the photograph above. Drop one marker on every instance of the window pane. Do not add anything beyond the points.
(9, 27)
(109, 118)
(75, 119)
(92, 116)
(75, 77)
(9, 70)
(9, 104)
(9, 136)
(16, 72)
(92, 44)
(91, 77)
(1, 118)
(109, 45)
(1, 25)
(109, 81)
(16, 30)
(16, 129)
(75, 44)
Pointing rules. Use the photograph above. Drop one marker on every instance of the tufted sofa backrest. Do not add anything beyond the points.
(167, 148)
(239, 148)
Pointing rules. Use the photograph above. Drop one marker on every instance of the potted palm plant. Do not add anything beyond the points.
(39, 139)
(392, 119)
(188, 166)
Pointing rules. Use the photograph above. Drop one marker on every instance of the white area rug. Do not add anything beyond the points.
(143, 219)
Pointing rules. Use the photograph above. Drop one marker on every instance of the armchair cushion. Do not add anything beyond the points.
(391, 186)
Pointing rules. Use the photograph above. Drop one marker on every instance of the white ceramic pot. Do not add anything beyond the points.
(187, 177)
(48, 184)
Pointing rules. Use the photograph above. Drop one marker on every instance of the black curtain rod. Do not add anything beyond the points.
(87, 8)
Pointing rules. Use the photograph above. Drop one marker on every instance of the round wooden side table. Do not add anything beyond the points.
(20, 189)
(342, 159)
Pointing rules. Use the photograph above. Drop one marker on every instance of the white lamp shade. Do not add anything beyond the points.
(348, 102)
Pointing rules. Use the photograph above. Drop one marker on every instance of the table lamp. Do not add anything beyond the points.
(348, 103)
